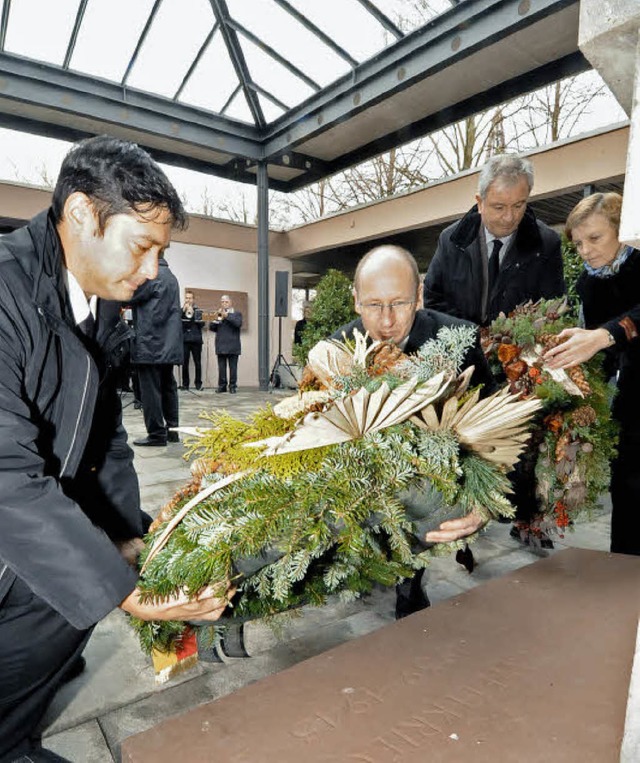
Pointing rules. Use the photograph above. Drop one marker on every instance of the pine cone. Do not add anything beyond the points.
(515, 370)
(383, 358)
(584, 416)
(578, 378)
(309, 381)
(169, 509)
(550, 340)
(561, 446)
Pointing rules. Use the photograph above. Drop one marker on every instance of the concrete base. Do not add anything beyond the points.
(531, 667)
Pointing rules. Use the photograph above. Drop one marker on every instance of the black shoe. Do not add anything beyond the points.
(75, 669)
(233, 390)
(520, 536)
(410, 596)
(184, 387)
(464, 556)
(173, 437)
(198, 387)
(221, 389)
(137, 405)
(151, 442)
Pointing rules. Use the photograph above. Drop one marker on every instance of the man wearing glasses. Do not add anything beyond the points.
(388, 297)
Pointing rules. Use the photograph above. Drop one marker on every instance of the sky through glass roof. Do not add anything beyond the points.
(251, 60)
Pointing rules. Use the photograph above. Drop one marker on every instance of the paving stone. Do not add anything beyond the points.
(82, 744)
(117, 672)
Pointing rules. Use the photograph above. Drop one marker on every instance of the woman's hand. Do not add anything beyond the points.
(579, 345)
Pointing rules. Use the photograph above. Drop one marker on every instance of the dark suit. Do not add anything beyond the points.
(409, 594)
(228, 348)
(456, 281)
(157, 347)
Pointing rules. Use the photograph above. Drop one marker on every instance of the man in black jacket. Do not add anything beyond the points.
(70, 514)
(227, 326)
(192, 324)
(498, 255)
(387, 294)
(157, 347)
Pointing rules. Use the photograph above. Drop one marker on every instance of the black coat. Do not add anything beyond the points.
(228, 334)
(614, 304)
(67, 483)
(456, 281)
(426, 325)
(192, 327)
(157, 320)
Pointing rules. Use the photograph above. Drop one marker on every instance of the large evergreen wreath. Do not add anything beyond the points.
(574, 436)
(343, 485)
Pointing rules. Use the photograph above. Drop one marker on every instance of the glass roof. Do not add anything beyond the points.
(250, 60)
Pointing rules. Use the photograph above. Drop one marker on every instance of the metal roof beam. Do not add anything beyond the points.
(236, 55)
(74, 34)
(141, 39)
(307, 24)
(52, 93)
(445, 40)
(382, 19)
(274, 54)
(196, 60)
(4, 22)
(572, 64)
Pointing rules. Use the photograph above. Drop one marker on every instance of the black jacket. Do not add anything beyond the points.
(67, 483)
(192, 327)
(614, 304)
(456, 281)
(157, 320)
(426, 325)
(228, 334)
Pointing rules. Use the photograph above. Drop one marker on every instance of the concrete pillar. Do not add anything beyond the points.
(609, 37)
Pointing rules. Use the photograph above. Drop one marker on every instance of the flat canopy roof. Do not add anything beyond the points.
(308, 88)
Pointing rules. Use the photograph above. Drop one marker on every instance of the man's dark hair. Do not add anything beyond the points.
(119, 177)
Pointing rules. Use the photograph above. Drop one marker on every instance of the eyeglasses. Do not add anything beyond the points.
(378, 308)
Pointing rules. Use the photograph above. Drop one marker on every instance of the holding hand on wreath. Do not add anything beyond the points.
(388, 297)
(609, 288)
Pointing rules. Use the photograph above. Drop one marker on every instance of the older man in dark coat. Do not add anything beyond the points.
(387, 296)
(227, 325)
(498, 255)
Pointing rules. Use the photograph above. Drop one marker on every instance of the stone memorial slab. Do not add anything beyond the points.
(532, 667)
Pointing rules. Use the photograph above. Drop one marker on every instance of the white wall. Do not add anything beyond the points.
(206, 267)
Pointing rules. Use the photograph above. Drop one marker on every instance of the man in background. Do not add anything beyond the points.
(498, 255)
(388, 298)
(192, 324)
(157, 347)
(300, 325)
(226, 325)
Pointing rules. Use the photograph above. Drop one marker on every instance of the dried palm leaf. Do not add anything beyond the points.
(330, 358)
(495, 427)
(164, 536)
(357, 415)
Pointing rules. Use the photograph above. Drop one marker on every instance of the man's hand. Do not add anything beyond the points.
(454, 529)
(209, 604)
(131, 550)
